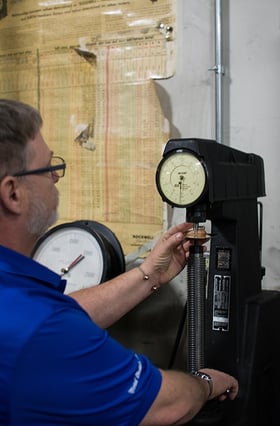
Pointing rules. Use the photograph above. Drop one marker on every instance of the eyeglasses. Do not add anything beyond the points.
(57, 167)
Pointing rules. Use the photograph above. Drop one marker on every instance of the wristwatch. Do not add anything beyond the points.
(205, 377)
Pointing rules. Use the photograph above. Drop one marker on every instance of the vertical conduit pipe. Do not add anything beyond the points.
(219, 72)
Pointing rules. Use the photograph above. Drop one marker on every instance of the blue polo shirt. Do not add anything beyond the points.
(56, 366)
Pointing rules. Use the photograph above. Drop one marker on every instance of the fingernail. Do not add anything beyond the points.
(179, 236)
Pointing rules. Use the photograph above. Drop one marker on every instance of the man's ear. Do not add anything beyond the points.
(11, 194)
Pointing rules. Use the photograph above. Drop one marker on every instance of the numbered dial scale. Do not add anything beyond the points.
(181, 178)
(85, 253)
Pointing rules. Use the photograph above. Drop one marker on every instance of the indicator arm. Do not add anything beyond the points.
(72, 264)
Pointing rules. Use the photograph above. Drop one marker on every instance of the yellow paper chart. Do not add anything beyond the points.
(89, 67)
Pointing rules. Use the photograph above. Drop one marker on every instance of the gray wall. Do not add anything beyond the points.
(252, 124)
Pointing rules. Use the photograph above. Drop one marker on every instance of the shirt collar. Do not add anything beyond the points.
(15, 263)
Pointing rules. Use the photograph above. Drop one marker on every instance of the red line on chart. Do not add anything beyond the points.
(107, 126)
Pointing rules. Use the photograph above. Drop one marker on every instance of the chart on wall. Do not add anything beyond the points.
(90, 68)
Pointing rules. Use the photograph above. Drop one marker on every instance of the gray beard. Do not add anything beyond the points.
(39, 221)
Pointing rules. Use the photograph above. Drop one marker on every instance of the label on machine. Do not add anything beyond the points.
(221, 302)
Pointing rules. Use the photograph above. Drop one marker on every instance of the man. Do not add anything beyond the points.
(58, 366)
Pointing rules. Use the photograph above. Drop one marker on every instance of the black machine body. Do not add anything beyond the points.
(242, 333)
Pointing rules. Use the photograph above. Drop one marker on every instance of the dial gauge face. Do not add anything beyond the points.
(75, 254)
(181, 178)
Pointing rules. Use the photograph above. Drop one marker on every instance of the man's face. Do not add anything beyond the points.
(43, 194)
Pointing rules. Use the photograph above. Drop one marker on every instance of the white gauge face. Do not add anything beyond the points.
(74, 254)
(181, 179)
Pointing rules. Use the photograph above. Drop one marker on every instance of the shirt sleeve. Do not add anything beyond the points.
(71, 372)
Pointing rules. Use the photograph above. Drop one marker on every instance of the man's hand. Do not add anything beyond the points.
(170, 254)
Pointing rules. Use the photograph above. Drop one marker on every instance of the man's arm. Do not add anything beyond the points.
(182, 396)
(108, 302)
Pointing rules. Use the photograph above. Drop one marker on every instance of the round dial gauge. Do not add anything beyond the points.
(85, 253)
(181, 178)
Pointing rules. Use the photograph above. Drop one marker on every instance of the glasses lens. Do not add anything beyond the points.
(59, 165)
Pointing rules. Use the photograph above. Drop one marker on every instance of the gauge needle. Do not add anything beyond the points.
(181, 187)
(72, 264)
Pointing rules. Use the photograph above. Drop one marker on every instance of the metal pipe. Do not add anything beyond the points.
(219, 72)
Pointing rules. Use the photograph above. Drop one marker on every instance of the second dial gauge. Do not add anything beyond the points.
(85, 253)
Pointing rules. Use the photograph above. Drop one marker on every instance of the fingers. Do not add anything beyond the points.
(176, 234)
(224, 385)
(229, 393)
(178, 241)
(180, 228)
(232, 391)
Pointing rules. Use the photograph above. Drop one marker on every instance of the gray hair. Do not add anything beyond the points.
(19, 123)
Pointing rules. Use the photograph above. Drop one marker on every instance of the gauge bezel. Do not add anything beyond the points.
(109, 245)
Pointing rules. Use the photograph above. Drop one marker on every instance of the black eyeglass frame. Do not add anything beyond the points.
(42, 170)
